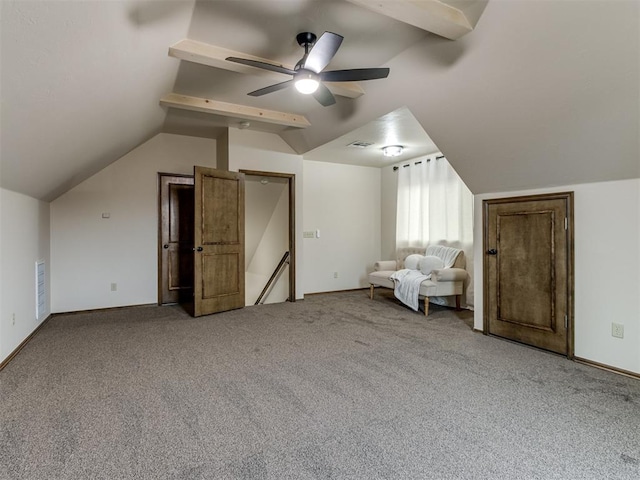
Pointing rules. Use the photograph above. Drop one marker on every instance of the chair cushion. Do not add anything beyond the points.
(381, 278)
(429, 263)
(428, 288)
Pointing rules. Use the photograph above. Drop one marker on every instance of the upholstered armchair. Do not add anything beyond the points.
(443, 267)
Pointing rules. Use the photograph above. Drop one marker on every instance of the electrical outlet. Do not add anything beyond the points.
(13, 319)
(335, 274)
(617, 330)
(114, 287)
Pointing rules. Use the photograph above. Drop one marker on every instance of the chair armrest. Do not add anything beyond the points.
(384, 265)
(449, 275)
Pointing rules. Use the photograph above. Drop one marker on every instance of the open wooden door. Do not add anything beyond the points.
(218, 241)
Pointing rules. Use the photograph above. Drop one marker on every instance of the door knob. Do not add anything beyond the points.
(199, 249)
(493, 251)
(165, 246)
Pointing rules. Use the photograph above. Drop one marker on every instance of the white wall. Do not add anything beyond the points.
(274, 242)
(607, 269)
(259, 203)
(24, 240)
(343, 202)
(252, 150)
(88, 252)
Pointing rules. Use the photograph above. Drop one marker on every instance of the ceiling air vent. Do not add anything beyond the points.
(360, 144)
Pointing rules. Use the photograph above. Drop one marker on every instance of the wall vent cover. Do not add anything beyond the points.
(360, 144)
(41, 299)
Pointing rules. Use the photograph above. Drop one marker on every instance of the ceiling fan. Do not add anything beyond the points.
(308, 75)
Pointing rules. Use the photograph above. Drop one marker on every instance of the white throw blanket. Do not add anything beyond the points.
(447, 254)
(407, 286)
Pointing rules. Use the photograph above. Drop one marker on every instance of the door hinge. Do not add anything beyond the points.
(566, 223)
(566, 322)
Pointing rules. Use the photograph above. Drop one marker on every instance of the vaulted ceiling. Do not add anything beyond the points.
(537, 94)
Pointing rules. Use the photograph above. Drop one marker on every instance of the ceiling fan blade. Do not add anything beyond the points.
(263, 65)
(323, 51)
(271, 88)
(354, 75)
(324, 96)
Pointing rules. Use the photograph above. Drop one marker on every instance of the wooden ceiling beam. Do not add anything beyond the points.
(214, 56)
(434, 16)
(214, 107)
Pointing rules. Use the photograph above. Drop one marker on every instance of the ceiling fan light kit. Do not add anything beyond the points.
(306, 81)
(392, 150)
(308, 75)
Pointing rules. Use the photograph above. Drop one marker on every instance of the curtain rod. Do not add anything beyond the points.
(417, 163)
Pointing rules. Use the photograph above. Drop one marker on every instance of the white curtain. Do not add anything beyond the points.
(435, 207)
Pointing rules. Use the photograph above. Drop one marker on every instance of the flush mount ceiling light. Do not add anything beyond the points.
(392, 150)
(306, 81)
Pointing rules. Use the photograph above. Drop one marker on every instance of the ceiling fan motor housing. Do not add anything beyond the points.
(306, 39)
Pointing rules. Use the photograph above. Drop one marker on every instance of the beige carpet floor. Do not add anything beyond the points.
(334, 387)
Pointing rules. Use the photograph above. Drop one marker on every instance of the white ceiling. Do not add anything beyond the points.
(399, 127)
(80, 87)
(268, 30)
(84, 78)
(539, 94)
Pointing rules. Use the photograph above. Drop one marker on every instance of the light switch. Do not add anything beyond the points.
(106, 215)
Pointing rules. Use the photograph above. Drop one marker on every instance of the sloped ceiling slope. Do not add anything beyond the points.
(539, 94)
(80, 86)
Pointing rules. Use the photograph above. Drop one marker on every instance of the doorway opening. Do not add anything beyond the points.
(175, 237)
(270, 237)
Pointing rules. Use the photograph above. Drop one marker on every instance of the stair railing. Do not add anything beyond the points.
(274, 277)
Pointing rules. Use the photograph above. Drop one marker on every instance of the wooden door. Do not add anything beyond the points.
(175, 254)
(528, 268)
(219, 241)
